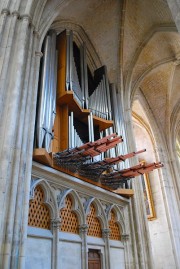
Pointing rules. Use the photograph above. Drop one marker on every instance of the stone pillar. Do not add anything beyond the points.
(139, 226)
(18, 80)
(105, 235)
(55, 225)
(124, 239)
(83, 233)
(28, 137)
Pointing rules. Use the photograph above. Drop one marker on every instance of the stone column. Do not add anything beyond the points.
(139, 227)
(28, 144)
(124, 239)
(83, 233)
(12, 141)
(105, 235)
(18, 89)
(55, 225)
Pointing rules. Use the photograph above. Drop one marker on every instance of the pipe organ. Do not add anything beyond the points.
(78, 116)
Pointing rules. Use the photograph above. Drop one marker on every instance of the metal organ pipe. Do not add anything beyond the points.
(72, 80)
(115, 111)
(124, 146)
(71, 58)
(91, 127)
(68, 61)
(47, 93)
(99, 101)
(82, 74)
(43, 91)
(74, 138)
(108, 94)
(55, 86)
(51, 96)
(86, 92)
(116, 102)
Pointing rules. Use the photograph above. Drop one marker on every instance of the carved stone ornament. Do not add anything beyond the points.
(55, 223)
(83, 229)
(124, 237)
(105, 233)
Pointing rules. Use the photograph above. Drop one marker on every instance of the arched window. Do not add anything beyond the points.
(39, 215)
(69, 220)
(94, 226)
(114, 228)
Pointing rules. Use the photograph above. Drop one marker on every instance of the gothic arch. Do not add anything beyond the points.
(148, 71)
(80, 36)
(77, 206)
(128, 85)
(119, 218)
(100, 213)
(49, 200)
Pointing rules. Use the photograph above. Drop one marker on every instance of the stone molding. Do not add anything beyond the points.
(38, 54)
(55, 223)
(105, 233)
(5, 11)
(124, 237)
(83, 229)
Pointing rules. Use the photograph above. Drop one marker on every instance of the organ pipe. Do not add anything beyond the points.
(91, 127)
(84, 76)
(51, 96)
(47, 93)
(41, 125)
(99, 101)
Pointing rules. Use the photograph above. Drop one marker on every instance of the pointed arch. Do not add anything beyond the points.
(99, 211)
(49, 195)
(129, 91)
(39, 211)
(77, 206)
(119, 219)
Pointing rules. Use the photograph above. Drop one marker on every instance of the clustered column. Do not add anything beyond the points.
(18, 79)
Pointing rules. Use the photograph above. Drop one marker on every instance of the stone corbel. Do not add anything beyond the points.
(55, 224)
(83, 229)
(5, 11)
(38, 54)
(105, 233)
(124, 237)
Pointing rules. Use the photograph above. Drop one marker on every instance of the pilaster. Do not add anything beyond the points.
(83, 233)
(55, 225)
(105, 235)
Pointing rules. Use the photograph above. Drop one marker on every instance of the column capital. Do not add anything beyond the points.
(105, 233)
(26, 17)
(5, 11)
(124, 237)
(55, 223)
(83, 229)
(36, 33)
(39, 54)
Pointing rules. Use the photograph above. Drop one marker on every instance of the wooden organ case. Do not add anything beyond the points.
(77, 120)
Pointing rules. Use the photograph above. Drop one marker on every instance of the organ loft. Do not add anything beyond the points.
(78, 123)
